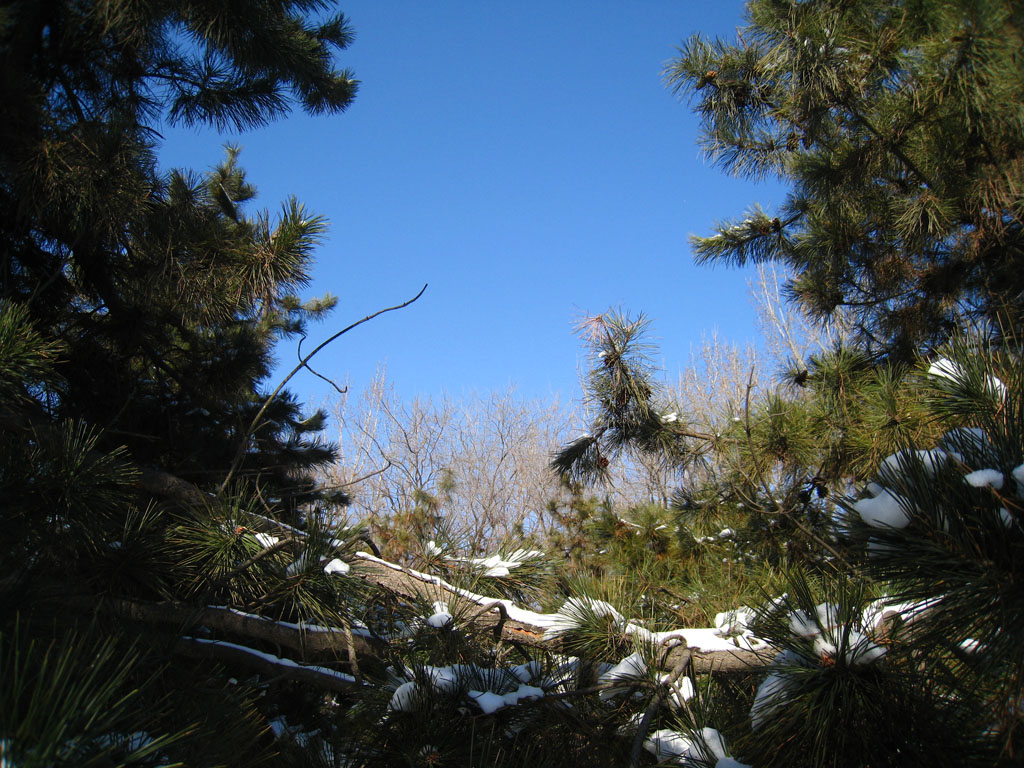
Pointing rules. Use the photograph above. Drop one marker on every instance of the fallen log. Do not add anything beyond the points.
(708, 652)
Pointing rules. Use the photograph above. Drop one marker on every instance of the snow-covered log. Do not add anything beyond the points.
(307, 640)
(708, 651)
(265, 663)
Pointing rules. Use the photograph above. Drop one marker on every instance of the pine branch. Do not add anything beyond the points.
(531, 629)
(243, 443)
(265, 663)
(683, 661)
(307, 640)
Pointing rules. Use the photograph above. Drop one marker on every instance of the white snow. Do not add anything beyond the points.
(266, 540)
(337, 566)
(513, 611)
(930, 461)
(446, 679)
(666, 744)
(883, 511)
(526, 672)
(715, 746)
(631, 668)
(488, 701)
(567, 618)
(298, 565)
(970, 440)
(681, 691)
(442, 616)
(802, 625)
(404, 698)
(276, 660)
(734, 622)
(985, 478)
(576, 611)
(771, 693)
(697, 638)
(826, 632)
(669, 418)
(497, 567)
(883, 608)
(1018, 476)
(302, 626)
(824, 648)
(943, 368)
(523, 693)
(432, 549)
(860, 651)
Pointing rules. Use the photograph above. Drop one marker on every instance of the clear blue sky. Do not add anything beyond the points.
(524, 159)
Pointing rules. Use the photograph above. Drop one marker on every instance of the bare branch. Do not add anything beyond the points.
(302, 364)
(265, 663)
(308, 640)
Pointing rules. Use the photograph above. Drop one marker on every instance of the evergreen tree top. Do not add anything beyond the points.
(900, 127)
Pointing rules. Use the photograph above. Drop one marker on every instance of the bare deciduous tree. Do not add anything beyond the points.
(474, 469)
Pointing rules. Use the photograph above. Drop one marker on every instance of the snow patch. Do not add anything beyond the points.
(985, 478)
(337, 566)
(488, 701)
(441, 616)
(630, 669)
(266, 540)
(405, 697)
(884, 510)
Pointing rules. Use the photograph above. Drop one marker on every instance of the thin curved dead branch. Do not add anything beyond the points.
(302, 364)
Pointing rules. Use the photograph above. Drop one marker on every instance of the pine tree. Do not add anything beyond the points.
(899, 128)
(165, 296)
(141, 451)
(897, 638)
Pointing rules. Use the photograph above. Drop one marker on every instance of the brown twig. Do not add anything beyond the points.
(652, 709)
(302, 364)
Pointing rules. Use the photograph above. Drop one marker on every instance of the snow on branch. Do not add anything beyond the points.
(709, 651)
(306, 639)
(265, 663)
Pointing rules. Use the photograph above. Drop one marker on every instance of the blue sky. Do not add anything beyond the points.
(524, 159)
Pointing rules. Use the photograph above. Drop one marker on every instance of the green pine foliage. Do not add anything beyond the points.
(930, 545)
(141, 450)
(899, 128)
(70, 703)
(942, 529)
(830, 699)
